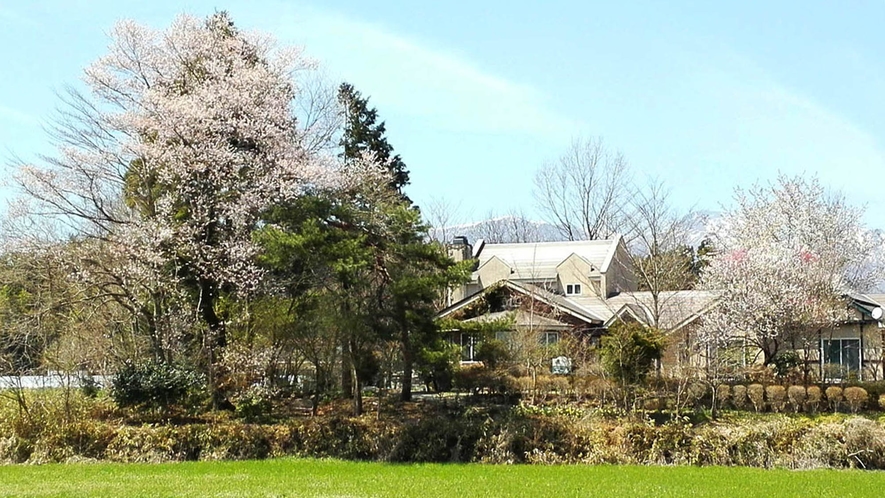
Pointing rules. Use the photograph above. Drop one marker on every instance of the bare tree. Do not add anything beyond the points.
(661, 255)
(442, 215)
(320, 114)
(583, 191)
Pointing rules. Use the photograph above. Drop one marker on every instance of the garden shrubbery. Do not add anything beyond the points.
(154, 386)
(439, 433)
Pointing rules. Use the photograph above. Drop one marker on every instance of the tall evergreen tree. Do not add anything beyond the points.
(362, 133)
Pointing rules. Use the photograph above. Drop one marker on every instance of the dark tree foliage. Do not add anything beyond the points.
(153, 385)
(363, 133)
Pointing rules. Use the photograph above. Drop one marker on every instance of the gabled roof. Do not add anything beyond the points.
(635, 311)
(675, 308)
(523, 319)
(560, 303)
(538, 261)
(865, 304)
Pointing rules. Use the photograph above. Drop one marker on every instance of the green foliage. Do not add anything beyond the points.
(255, 404)
(436, 363)
(89, 386)
(785, 362)
(493, 353)
(362, 133)
(153, 385)
(629, 350)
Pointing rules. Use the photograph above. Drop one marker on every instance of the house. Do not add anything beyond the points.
(580, 288)
(554, 288)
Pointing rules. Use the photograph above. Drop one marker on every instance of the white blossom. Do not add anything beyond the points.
(184, 137)
(786, 257)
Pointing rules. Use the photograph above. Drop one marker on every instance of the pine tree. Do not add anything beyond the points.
(363, 133)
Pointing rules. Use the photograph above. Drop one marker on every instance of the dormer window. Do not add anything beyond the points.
(573, 290)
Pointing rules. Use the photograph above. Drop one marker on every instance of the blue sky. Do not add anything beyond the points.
(477, 96)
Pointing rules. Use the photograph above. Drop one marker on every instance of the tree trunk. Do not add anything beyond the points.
(346, 381)
(216, 340)
(356, 386)
(408, 361)
(357, 391)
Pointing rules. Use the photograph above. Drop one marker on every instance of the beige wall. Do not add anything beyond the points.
(619, 275)
(492, 271)
(576, 270)
(681, 353)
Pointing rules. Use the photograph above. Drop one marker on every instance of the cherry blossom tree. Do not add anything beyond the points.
(788, 254)
(182, 140)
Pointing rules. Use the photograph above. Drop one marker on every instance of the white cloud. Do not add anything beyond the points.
(410, 78)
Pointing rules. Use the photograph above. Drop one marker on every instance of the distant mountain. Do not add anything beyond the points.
(509, 229)
(501, 230)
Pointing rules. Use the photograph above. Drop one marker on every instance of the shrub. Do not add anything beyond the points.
(493, 353)
(469, 377)
(255, 404)
(856, 397)
(882, 401)
(479, 378)
(760, 374)
(874, 389)
(777, 397)
(756, 394)
(559, 384)
(439, 439)
(864, 443)
(629, 350)
(89, 386)
(797, 396)
(739, 397)
(812, 399)
(785, 363)
(834, 397)
(153, 385)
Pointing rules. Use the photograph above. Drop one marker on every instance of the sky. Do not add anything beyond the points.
(477, 96)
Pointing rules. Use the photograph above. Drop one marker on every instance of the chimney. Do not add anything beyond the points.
(460, 249)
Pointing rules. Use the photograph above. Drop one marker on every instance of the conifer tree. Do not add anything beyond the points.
(362, 133)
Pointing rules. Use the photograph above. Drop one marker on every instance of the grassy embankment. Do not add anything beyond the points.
(297, 477)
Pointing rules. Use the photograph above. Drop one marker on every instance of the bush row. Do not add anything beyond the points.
(523, 434)
(797, 399)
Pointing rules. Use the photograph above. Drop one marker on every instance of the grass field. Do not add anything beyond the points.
(291, 477)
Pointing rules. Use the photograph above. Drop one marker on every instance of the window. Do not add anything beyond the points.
(573, 290)
(469, 347)
(840, 358)
(549, 338)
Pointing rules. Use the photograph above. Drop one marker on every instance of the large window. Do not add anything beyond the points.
(840, 358)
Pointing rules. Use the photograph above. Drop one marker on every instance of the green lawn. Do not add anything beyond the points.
(292, 477)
